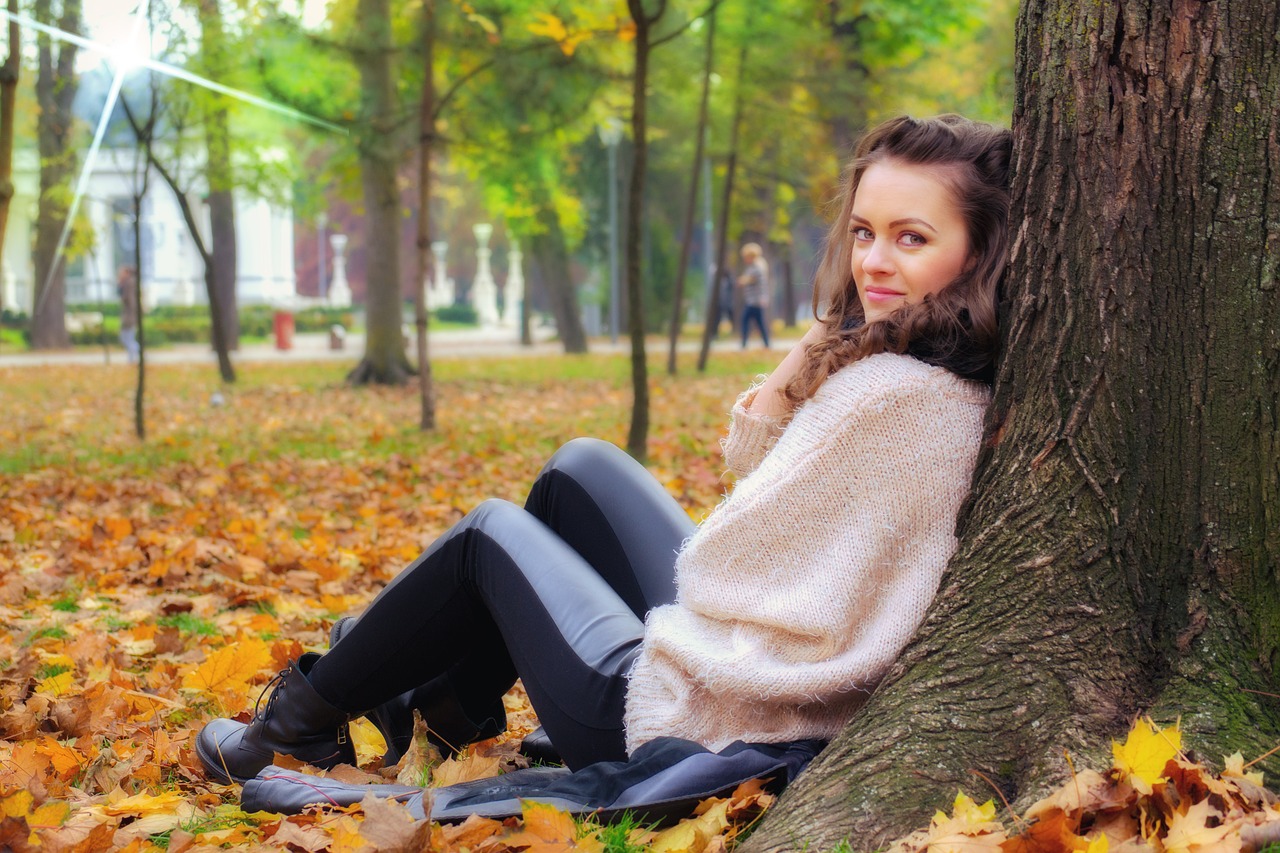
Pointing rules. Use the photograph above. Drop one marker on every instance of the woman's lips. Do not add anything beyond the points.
(880, 294)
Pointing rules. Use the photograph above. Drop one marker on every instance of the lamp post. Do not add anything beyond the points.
(611, 134)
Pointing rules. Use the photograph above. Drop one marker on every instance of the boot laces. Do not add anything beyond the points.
(274, 687)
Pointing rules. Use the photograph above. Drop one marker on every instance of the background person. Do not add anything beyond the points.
(754, 282)
(127, 288)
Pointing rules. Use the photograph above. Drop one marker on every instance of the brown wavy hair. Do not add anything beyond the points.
(956, 327)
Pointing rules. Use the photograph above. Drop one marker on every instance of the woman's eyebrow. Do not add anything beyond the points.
(897, 223)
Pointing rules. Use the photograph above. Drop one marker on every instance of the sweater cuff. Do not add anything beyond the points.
(751, 435)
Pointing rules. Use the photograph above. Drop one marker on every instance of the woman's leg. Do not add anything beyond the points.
(503, 592)
(613, 512)
(746, 325)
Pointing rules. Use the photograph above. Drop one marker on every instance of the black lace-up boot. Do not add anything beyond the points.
(296, 721)
(451, 726)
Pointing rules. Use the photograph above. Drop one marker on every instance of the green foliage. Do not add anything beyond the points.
(188, 623)
(458, 313)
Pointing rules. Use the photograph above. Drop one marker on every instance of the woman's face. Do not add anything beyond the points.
(909, 238)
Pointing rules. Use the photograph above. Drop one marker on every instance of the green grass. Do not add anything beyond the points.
(87, 423)
(187, 623)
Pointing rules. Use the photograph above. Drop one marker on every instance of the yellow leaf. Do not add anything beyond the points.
(56, 685)
(550, 26)
(1140, 760)
(145, 804)
(230, 668)
(692, 836)
(367, 740)
(966, 810)
(65, 760)
(50, 815)
(1235, 767)
(1190, 833)
(17, 804)
(1098, 845)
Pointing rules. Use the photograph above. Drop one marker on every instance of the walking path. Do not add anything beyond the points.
(450, 343)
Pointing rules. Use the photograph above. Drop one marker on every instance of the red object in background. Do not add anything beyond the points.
(284, 330)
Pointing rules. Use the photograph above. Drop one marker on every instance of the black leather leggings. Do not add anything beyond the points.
(555, 593)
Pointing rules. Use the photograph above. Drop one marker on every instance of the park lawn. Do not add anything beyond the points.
(237, 532)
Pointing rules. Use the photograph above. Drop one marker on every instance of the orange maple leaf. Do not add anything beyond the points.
(230, 668)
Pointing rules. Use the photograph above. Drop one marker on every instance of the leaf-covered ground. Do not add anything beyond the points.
(148, 586)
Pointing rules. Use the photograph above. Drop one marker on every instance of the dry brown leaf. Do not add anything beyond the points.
(390, 828)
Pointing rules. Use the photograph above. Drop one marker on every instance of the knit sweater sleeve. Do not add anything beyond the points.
(751, 435)
(799, 591)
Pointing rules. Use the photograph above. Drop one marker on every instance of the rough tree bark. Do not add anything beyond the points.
(55, 89)
(1121, 552)
(384, 359)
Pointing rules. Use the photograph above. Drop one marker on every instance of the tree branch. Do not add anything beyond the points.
(711, 7)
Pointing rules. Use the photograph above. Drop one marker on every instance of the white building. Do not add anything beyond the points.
(173, 273)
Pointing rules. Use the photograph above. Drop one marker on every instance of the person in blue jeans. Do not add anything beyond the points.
(754, 282)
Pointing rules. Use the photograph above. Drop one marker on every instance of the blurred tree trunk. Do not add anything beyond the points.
(218, 174)
(722, 245)
(1119, 555)
(686, 246)
(55, 89)
(384, 359)
(8, 99)
(638, 434)
(550, 254)
(426, 142)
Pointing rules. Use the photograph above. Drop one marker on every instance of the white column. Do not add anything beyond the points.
(513, 293)
(339, 290)
(484, 290)
(440, 290)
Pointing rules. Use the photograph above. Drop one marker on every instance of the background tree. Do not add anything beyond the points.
(55, 90)
(219, 175)
(9, 73)
(1119, 555)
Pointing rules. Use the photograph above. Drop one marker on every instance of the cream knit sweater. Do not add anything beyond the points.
(797, 593)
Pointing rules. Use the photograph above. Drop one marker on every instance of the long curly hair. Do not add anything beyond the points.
(956, 327)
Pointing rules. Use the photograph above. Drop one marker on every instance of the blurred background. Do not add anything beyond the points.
(279, 142)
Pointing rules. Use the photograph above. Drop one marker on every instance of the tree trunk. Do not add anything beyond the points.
(638, 434)
(384, 359)
(550, 255)
(55, 90)
(8, 99)
(686, 247)
(217, 322)
(1119, 554)
(426, 141)
(713, 293)
(218, 175)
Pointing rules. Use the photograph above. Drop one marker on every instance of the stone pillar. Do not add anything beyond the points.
(10, 285)
(339, 290)
(440, 293)
(484, 290)
(513, 293)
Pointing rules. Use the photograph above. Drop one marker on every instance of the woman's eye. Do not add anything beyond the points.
(912, 239)
(860, 233)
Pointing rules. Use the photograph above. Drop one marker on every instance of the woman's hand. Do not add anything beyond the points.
(768, 400)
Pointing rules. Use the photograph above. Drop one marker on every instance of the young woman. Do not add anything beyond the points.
(773, 620)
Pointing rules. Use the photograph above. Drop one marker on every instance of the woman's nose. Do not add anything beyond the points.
(877, 261)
